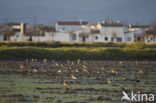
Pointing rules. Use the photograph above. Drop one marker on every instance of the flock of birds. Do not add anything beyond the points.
(73, 69)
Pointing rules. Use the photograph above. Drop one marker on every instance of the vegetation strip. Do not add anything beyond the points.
(101, 53)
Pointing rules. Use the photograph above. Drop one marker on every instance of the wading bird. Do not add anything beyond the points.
(109, 81)
(73, 77)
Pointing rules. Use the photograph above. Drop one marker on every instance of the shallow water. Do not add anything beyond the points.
(74, 81)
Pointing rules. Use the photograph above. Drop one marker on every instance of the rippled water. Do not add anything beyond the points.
(74, 81)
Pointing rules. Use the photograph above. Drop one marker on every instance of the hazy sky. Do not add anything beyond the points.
(69, 4)
(47, 11)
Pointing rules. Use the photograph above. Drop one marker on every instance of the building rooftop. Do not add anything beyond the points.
(112, 24)
(72, 23)
(139, 26)
(10, 24)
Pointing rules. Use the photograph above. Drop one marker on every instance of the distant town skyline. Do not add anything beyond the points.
(50, 11)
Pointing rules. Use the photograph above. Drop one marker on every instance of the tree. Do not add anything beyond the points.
(8, 34)
(114, 36)
(30, 38)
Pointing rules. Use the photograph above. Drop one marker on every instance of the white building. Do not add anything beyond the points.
(148, 36)
(18, 28)
(105, 32)
(88, 33)
(137, 33)
(133, 36)
(77, 31)
(112, 32)
(67, 26)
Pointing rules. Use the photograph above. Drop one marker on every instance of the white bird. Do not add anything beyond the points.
(125, 97)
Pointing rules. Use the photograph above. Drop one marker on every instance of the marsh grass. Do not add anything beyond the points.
(55, 44)
(137, 45)
(73, 53)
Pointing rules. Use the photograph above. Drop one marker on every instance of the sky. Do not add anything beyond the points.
(50, 11)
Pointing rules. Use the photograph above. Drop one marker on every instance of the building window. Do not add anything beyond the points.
(96, 38)
(119, 39)
(112, 39)
(63, 28)
(138, 39)
(129, 39)
(106, 38)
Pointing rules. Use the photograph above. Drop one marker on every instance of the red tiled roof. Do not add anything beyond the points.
(72, 23)
(10, 24)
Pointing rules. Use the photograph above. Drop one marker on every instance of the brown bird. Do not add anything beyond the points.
(27, 60)
(45, 60)
(141, 71)
(64, 83)
(76, 70)
(109, 81)
(73, 77)
(78, 61)
(32, 60)
(120, 62)
(29, 72)
(72, 63)
(35, 70)
(59, 71)
(21, 66)
(113, 71)
(56, 64)
(68, 61)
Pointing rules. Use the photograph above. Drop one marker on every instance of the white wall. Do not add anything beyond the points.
(128, 36)
(95, 38)
(17, 37)
(110, 31)
(132, 35)
(150, 39)
(61, 36)
(67, 28)
(47, 37)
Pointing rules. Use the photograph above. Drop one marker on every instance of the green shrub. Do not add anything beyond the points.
(137, 45)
